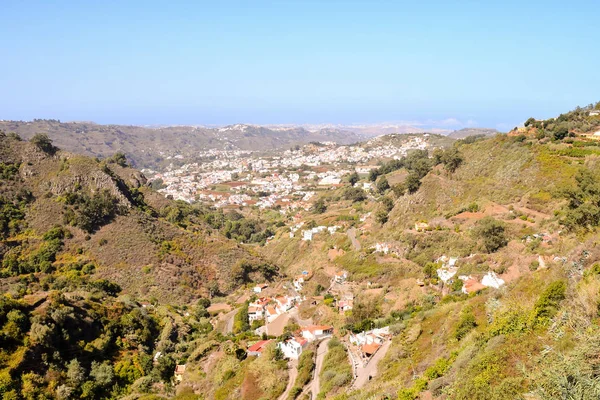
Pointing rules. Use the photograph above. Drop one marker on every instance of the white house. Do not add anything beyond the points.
(345, 305)
(256, 313)
(382, 248)
(330, 180)
(445, 274)
(332, 229)
(492, 280)
(340, 277)
(284, 303)
(271, 314)
(292, 348)
(260, 288)
(315, 332)
(307, 235)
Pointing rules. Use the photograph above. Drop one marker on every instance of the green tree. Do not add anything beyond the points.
(412, 183)
(353, 178)
(355, 194)
(452, 159)
(382, 185)
(381, 216)
(373, 174)
(492, 233)
(560, 132)
(165, 368)
(102, 373)
(387, 203)
(119, 158)
(319, 207)
(75, 372)
(43, 142)
(430, 269)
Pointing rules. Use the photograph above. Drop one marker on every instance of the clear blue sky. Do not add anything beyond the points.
(220, 62)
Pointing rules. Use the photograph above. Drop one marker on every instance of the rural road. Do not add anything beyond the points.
(315, 384)
(352, 236)
(293, 373)
(370, 369)
(229, 321)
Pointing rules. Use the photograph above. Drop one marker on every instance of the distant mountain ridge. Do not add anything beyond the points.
(466, 132)
(148, 146)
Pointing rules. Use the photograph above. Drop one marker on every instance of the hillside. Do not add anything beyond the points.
(514, 220)
(115, 221)
(154, 147)
(458, 269)
(466, 132)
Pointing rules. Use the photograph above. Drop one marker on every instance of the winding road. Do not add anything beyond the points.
(292, 374)
(228, 318)
(315, 385)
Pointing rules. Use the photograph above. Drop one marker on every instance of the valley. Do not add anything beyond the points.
(404, 266)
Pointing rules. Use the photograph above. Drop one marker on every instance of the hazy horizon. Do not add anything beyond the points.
(435, 64)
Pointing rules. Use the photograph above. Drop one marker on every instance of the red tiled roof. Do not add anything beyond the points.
(301, 340)
(472, 285)
(370, 348)
(259, 346)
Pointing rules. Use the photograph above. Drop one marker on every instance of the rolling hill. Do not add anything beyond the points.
(149, 147)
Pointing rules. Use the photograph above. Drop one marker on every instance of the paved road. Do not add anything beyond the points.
(315, 385)
(292, 374)
(229, 321)
(370, 369)
(352, 236)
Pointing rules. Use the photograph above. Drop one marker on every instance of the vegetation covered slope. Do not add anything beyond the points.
(100, 277)
(114, 220)
(523, 207)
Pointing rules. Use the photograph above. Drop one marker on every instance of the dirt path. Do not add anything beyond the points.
(292, 374)
(296, 315)
(352, 236)
(370, 369)
(315, 385)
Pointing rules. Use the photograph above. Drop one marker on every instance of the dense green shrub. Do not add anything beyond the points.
(465, 324)
(547, 304)
(492, 234)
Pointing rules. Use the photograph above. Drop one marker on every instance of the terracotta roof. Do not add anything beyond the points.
(370, 348)
(473, 285)
(180, 369)
(259, 346)
(301, 340)
(271, 310)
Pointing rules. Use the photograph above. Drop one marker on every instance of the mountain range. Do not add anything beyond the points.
(149, 147)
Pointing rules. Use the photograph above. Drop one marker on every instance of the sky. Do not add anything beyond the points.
(432, 63)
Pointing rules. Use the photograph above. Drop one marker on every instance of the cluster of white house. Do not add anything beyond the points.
(292, 347)
(307, 234)
(471, 284)
(266, 308)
